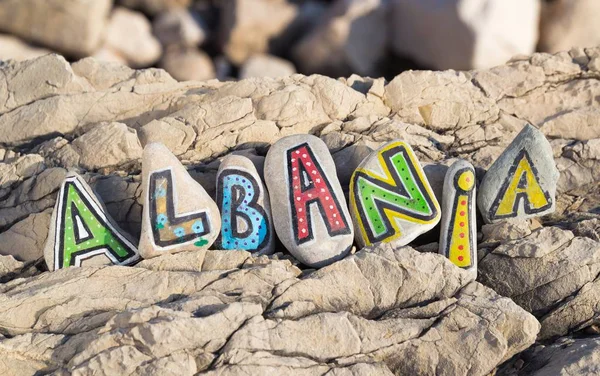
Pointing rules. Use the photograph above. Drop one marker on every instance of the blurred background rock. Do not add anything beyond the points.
(234, 39)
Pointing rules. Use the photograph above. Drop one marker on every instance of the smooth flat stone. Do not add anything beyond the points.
(390, 197)
(243, 200)
(309, 208)
(178, 214)
(522, 181)
(82, 233)
(458, 232)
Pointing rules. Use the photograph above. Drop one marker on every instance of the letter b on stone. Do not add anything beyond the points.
(245, 223)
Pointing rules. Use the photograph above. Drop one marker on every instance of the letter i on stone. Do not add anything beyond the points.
(309, 208)
(245, 209)
(178, 214)
(82, 233)
(390, 197)
(458, 233)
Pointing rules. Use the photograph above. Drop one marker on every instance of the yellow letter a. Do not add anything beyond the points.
(521, 184)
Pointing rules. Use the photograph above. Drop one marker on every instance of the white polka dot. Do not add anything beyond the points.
(322, 189)
(309, 195)
(303, 155)
(299, 209)
(318, 181)
(298, 199)
(314, 172)
(334, 215)
(301, 220)
(308, 163)
(295, 187)
(330, 206)
(303, 230)
(337, 222)
(297, 151)
(294, 169)
(295, 178)
(293, 160)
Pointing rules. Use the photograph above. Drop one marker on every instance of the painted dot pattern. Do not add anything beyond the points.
(99, 235)
(168, 229)
(460, 242)
(234, 209)
(398, 191)
(310, 185)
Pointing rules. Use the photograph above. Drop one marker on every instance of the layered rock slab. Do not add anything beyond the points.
(566, 356)
(550, 273)
(223, 316)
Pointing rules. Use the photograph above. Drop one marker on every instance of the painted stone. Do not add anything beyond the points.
(390, 197)
(178, 214)
(82, 233)
(309, 208)
(458, 232)
(522, 181)
(245, 209)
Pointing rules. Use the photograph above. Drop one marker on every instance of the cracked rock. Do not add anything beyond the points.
(550, 273)
(56, 116)
(567, 356)
(221, 316)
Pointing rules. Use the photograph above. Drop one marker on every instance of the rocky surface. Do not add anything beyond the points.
(229, 313)
(551, 273)
(48, 106)
(568, 356)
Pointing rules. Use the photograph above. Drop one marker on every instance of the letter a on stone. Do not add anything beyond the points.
(390, 197)
(458, 233)
(245, 210)
(521, 184)
(308, 204)
(178, 214)
(522, 181)
(82, 232)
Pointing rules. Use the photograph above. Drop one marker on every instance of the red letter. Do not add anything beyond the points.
(309, 185)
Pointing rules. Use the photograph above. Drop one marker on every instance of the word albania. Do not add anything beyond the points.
(299, 200)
